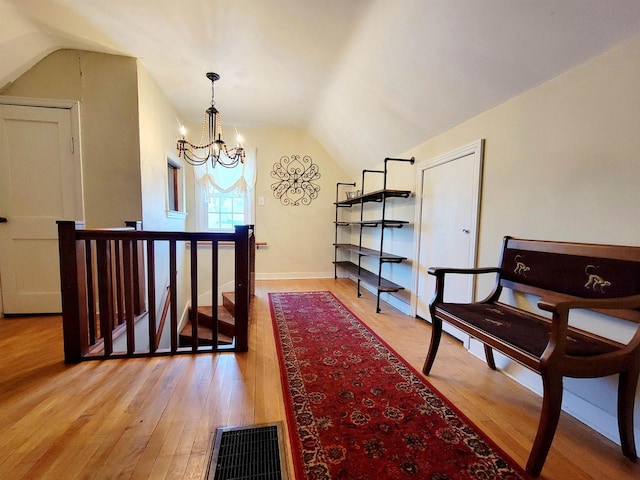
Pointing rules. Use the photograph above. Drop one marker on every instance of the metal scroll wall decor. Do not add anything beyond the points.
(295, 177)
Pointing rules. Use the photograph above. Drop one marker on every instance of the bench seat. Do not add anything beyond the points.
(523, 331)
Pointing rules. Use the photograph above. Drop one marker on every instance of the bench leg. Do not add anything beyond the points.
(551, 405)
(436, 334)
(488, 353)
(627, 385)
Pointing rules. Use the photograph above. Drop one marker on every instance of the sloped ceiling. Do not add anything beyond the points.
(367, 78)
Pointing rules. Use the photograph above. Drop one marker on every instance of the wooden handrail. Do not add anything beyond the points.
(103, 276)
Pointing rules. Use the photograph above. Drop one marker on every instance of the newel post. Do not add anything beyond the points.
(243, 287)
(73, 286)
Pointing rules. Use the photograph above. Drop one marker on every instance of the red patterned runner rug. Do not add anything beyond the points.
(356, 410)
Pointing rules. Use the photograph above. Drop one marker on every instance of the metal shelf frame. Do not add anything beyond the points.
(381, 284)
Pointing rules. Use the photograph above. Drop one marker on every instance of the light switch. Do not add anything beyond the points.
(260, 200)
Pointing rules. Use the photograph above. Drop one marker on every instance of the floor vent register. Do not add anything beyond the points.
(248, 453)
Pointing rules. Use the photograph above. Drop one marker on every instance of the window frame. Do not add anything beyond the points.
(175, 198)
(246, 198)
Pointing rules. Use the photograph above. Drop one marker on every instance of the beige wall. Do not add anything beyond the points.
(106, 88)
(158, 132)
(561, 162)
(159, 127)
(300, 238)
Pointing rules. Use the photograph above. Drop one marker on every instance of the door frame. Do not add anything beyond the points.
(477, 150)
(74, 107)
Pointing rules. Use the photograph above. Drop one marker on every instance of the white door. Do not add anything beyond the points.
(449, 189)
(40, 182)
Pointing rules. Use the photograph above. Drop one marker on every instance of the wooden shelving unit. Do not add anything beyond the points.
(381, 284)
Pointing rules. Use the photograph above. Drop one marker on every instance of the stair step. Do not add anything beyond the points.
(205, 336)
(229, 302)
(226, 321)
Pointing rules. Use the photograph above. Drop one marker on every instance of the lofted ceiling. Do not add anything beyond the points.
(366, 78)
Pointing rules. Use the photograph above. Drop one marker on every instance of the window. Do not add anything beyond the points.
(225, 209)
(175, 189)
(172, 187)
(225, 196)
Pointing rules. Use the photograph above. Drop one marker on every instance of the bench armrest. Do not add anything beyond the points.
(443, 270)
(558, 304)
(440, 272)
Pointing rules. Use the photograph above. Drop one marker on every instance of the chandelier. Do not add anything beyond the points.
(212, 148)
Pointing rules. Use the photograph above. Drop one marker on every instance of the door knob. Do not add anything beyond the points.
(3, 220)
(465, 230)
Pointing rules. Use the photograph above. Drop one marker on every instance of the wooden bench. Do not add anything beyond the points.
(566, 276)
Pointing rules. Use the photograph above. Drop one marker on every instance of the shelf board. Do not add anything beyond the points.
(375, 223)
(376, 196)
(369, 252)
(382, 284)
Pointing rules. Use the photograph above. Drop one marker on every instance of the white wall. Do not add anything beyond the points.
(561, 162)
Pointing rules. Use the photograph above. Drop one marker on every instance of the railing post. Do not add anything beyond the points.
(242, 287)
(73, 284)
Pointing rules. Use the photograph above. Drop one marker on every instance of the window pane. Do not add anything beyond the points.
(225, 210)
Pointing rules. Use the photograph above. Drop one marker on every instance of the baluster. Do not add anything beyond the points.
(173, 290)
(138, 269)
(128, 291)
(194, 296)
(118, 308)
(151, 296)
(214, 294)
(91, 305)
(105, 293)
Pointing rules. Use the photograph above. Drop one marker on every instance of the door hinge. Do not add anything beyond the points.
(73, 146)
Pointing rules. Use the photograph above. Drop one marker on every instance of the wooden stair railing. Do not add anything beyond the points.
(103, 277)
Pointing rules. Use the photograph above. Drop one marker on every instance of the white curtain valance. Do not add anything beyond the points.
(241, 178)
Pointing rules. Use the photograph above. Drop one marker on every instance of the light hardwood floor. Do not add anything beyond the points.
(153, 418)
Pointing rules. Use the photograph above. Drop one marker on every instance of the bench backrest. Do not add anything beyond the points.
(574, 269)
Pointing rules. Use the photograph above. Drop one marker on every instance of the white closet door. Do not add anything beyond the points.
(449, 205)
